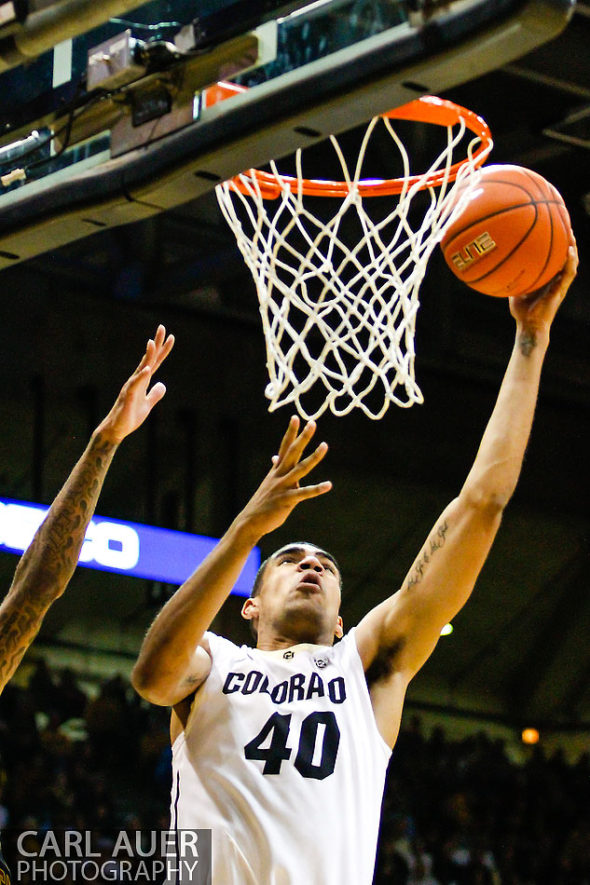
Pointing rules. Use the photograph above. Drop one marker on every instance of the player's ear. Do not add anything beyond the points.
(250, 608)
(339, 631)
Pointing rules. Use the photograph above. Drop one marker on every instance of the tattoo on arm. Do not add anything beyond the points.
(193, 679)
(434, 543)
(48, 564)
(527, 342)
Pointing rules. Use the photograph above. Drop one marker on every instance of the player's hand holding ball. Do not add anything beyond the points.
(513, 237)
(537, 310)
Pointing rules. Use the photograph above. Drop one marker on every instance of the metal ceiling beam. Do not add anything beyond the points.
(523, 73)
(61, 21)
(329, 95)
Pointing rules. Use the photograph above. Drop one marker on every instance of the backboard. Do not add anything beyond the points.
(105, 125)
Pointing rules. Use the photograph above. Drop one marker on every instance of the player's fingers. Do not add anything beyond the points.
(565, 277)
(571, 266)
(298, 445)
(306, 492)
(559, 285)
(290, 435)
(306, 466)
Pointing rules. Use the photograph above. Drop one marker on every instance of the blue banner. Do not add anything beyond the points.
(128, 548)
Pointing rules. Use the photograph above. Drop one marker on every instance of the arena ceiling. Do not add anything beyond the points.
(74, 322)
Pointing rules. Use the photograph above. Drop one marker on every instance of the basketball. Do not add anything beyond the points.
(512, 237)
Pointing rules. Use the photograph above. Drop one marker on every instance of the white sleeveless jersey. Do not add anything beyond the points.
(282, 759)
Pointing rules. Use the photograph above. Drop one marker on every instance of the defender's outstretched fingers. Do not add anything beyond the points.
(155, 394)
(156, 350)
(163, 347)
(141, 377)
(146, 358)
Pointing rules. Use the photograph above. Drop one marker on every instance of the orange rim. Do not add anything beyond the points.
(427, 109)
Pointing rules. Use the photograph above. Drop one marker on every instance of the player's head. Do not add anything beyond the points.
(296, 595)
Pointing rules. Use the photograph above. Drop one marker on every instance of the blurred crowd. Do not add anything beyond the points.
(454, 811)
(462, 812)
(82, 760)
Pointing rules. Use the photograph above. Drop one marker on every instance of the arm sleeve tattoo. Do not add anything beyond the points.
(46, 567)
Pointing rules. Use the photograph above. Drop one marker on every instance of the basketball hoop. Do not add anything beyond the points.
(341, 318)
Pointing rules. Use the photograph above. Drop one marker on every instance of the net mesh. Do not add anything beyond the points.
(339, 288)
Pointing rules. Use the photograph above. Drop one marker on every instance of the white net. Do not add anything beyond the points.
(339, 294)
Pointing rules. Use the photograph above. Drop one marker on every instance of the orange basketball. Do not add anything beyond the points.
(513, 236)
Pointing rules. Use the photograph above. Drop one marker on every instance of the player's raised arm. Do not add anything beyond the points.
(46, 567)
(397, 637)
(170, 663)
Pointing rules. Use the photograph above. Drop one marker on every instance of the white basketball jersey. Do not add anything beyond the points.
(282, 759)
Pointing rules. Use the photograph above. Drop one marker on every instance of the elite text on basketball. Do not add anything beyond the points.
(473, 251)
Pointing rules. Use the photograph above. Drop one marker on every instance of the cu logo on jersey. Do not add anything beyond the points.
(289, 654)
(321, 662)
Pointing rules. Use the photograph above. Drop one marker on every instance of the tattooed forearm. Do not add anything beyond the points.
(55, 548)
(527, 342)
(434, 543)
(48, 564)
(19, 624)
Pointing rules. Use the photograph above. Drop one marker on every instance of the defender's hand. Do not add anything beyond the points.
(134, 402)
(280, 491)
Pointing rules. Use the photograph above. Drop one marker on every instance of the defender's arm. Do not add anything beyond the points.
(46, 567)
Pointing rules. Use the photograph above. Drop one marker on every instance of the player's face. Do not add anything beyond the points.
(300, 596)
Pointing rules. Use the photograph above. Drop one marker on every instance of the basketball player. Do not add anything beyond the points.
(46, 567)
(282, 749)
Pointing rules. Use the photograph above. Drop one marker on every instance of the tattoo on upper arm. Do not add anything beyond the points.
(193, 679)
(47, 565)
(527, 342)
(434, 543)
